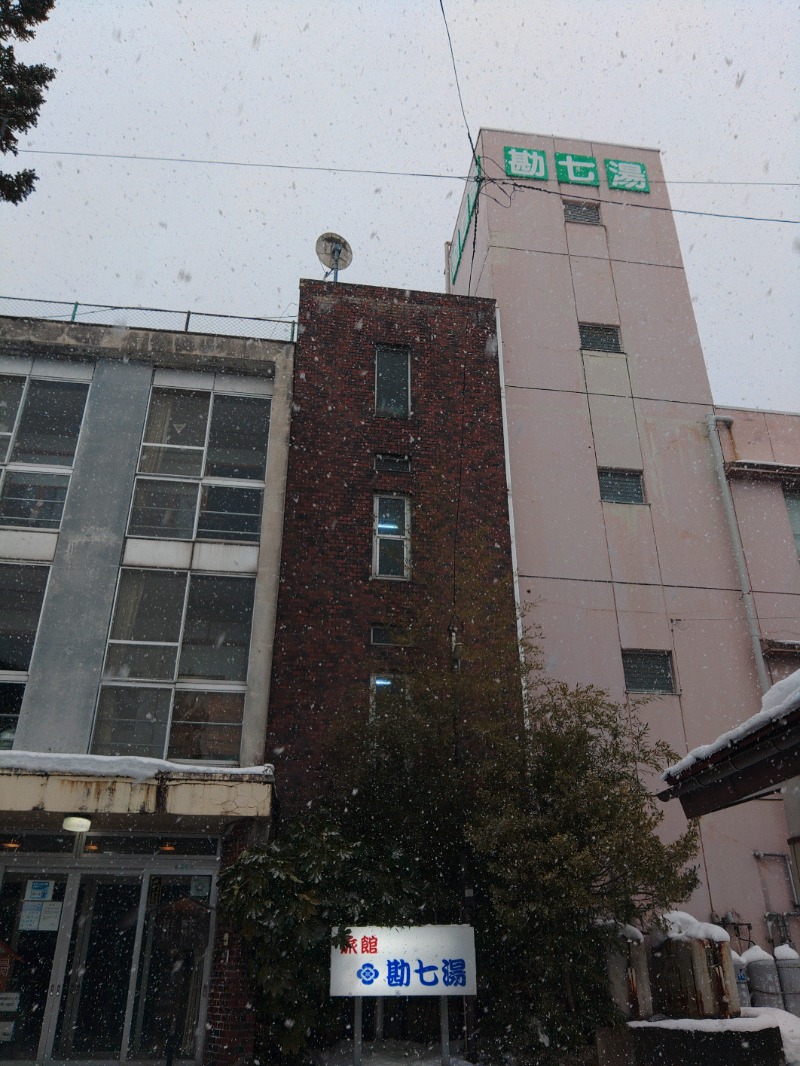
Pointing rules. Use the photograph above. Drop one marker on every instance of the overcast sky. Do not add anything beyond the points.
(336, 84)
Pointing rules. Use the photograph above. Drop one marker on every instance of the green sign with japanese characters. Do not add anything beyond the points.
(622, 174)
(526, 163)
(574, 169)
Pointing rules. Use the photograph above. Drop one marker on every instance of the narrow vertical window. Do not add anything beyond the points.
(791, 493)
(391, 556)
(392, 382)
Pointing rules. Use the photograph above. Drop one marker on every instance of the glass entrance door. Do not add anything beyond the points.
(94, 995)
(30, 918)
(103, 967)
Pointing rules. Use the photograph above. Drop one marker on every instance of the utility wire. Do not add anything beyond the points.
(455, 74)
(424, 174)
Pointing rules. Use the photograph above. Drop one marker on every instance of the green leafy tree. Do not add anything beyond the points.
(452, 783)
(22, 87)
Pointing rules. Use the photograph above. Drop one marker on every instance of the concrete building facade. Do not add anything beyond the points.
(645, 582)
(141, 510)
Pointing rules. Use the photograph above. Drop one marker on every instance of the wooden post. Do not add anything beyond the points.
(357, 1031)
(445, 1028)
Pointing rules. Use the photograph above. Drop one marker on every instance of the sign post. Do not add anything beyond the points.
(424, 960)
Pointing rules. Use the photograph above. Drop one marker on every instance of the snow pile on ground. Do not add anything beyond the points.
(682, 926)
(781, 699)
(385, 1053)
(134, 767)
(752, 1019)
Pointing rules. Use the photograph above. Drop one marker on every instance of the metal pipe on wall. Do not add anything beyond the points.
(712, 422)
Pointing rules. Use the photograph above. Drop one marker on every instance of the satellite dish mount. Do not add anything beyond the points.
(335, 253)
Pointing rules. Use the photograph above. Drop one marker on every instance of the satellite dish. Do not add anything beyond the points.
(334, 252)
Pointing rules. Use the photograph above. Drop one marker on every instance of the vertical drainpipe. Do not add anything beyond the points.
(712, 422)
(512, 531)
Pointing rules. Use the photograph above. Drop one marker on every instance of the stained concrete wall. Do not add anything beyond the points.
(604, 576)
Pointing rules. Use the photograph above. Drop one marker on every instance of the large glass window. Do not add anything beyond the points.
(202, 467)
(392, 382)
(21, 597)
(176, 666)
(39, 425)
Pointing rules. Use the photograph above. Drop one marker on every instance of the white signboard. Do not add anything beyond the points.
(423, 960)
(6, 1032)
(9, 1001)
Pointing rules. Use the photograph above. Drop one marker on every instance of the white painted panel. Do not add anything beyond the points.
(181, 379)
(10, 364)
(227, 558)
(67, 371)
(422, 960)
(27, 544)
(243, 386)
(170, 554)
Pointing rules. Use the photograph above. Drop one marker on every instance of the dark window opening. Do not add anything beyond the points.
(21, 596)
(392, 382)
(791, 493)
(600, 338)
(582, 211)
(621, 486)
(392, 464)
(648, 671)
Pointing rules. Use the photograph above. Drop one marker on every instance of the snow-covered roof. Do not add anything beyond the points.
(135, 767)
(778, 702)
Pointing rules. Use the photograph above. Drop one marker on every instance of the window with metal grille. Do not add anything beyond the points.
(392, 464)
(648, 671)
(596, 338)
(791, 493)
(582, 211)
(621, 486)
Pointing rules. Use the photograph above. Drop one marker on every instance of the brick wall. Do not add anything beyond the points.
(230, 1022)
(328, 600)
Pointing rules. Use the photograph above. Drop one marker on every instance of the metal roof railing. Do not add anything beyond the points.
(271, 329)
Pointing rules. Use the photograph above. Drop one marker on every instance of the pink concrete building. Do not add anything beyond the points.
(656, 535)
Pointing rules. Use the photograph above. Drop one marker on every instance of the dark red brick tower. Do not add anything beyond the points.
(396, 463)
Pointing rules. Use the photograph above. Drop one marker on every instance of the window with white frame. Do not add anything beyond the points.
(201, 466)
(176, 666)
(40, 420)
(21, 597)
(392, 381)
(391, 549)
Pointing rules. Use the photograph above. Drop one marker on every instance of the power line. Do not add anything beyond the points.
(455, 74)
(647, 206)
(423, 174)
(354, 170)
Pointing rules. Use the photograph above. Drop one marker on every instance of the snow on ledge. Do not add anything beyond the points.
(135, 767)
(781, 699)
